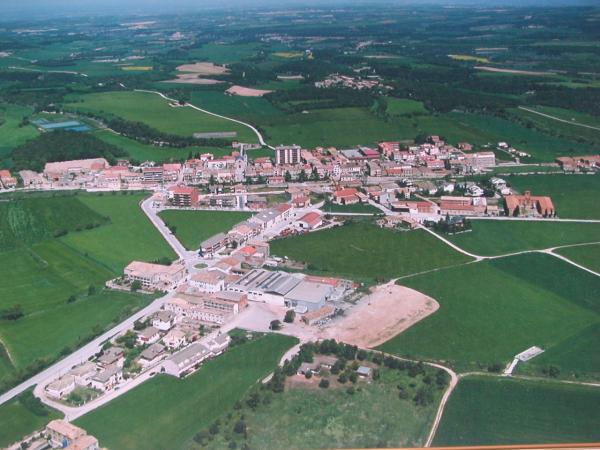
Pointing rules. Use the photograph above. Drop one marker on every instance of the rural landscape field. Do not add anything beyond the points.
(254, 225)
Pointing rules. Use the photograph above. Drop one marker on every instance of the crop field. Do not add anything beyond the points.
(364, 252)
(143, 152)
(404, 106)
(373, 416)
(11, 134)
(574, 196)
(244, 108)
(166, 412)
(194, 227)
(586, 255)
(18, 419)
(130, 234)
(492, 310)
(497, 237)
(156, 112)
(224, 53)
(484, 411)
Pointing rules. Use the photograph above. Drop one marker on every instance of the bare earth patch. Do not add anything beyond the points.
(193, 78)
(387, 311)
(203, 68)
(514, 71)
(246, 92)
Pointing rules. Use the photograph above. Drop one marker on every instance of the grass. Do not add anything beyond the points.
(574, 196)
(18, 420)
(252, 109)
(364, 252)
(373, 416)
(404, 106)
(194, 227)
(224, 53)
(492, 310)
(155, 111)
(496, 411)
(166, 412)
(496, 237)
(11, 134)
(586, 255)
(129, 236)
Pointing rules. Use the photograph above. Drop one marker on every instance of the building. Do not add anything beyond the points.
(265, 286)
(347, 196)
(529, 205)
(287, 154)
(108, 378)
(62, 387)
(7, 181)
(213, 244)
(152, 355)
(579, 163)
(462, 206)
(311, 221)
(148, 335)
(364, 371)
(152, 175)
(308, 296)
(183, 196)
(55, 171)
(112, 356)
(208, 281)
(164, 320)
(318, 315)
(187, 359)
(155, 276)
(175, 339)
(63, 434)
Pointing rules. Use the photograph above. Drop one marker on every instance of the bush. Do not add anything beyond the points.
(15, 312)
(33, 404)
(275, 325)
(324, 383)
(290, 315)
(240, 427)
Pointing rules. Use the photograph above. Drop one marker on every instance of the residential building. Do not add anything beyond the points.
(62, 387)
(55, 171)
(62, 434)
(164, 320)
(184, 196)
(186, 359)
(7, 181)
(347, 196)
(151, 355)
(213, 244)
(208, 281)
(107, 378)
(287, 154)
(155, 276)
(175, 339)
(112, 356)
(152, 175)
(529, 205)
(148, 335)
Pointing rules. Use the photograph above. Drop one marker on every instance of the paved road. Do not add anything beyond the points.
(152, 214)
(533, 219)
(450, 244)
(258, 134)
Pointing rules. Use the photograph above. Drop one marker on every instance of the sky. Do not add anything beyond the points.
(23, 9)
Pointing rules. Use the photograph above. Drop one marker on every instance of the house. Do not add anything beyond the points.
(7, 180)
(347, 196)
(86, 442)
(208, 281)
(108, 378)
(62, 387)
(175, 339)
(306, 368)
(364, 371)
(112, 356)
(318, 315)
(155, 276)
(186, 359)
(529, 205)
(164, 320)
(152, 355)
(148, 335)
(311, 221)
(217, 344)
(62, 434)
(83, 373)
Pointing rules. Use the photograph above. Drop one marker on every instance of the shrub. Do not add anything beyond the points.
(324, 383)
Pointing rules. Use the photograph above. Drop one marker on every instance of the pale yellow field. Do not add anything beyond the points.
(137, 68)
(289, 54)
(469, 58)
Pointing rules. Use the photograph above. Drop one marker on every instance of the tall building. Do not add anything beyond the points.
(287, 154)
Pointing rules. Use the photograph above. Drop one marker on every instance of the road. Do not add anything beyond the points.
(261, 140)
(558, 119)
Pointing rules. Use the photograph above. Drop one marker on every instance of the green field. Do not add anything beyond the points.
(244, 108)
(130, 234)
(492, 310)
(364, 252)
(404, 106)
(17, 419)
(574, 196)
(194, 227)
(166, 412)
(498, 237)
(223, 53)
(372, 417)
(586, 255)
(156, 112)
(11, 134)
(485, 411)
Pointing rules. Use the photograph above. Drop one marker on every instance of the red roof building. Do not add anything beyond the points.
(529, 205)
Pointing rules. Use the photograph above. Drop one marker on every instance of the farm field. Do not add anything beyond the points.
(484, 410)
(11, 134)
(155, 111)
(491, 310)
(586, 255)
(130, 234)
(404, 106)
(244, 108)
(574, 196)
(365, 252)
(224, 53)
(143, 152)
(194, 227)
(166, 412)
(18, 419)
(498, 237)
(372, 416)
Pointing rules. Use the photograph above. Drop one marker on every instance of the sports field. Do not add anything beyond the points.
(155, 111)
(18, 419)
(485, 411)
(574, 196)
(194, 227)
(166, 412)
(492, 310)
(586, 255)
(497, 237)
(364, 252)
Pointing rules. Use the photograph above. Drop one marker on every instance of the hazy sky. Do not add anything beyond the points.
(12, 9)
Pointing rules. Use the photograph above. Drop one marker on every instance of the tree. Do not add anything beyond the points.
(288, 176)
(15, 312)
(343, 377)
(275, 325)
(212, 180)
(136, 286)
(290, 315)
(91, 290)
(240, 427)
(302, 176)
(71, 299)
(423, 397)
(214, 428)
(324, 383)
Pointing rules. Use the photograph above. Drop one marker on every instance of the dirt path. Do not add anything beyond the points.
(558, 119)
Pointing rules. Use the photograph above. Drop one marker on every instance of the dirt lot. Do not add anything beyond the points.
(376, 318)
(246, 92)
(203, 68)
(193, 78)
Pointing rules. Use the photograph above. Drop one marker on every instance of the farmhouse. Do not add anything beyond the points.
(529, 205)
(61, 387)
(155, 276)
(579, 163)
(317, 315)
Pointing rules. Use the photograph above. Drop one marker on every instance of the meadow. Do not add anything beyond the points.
(194, 227)
(586, 255)
(574, 196)
(155, 111)
(166, 412)
(243, 108)
(492, 310)
(484, 411)
(496, 237)
(223, 53)
(18, 419)
(365, 252)
(11, 134)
